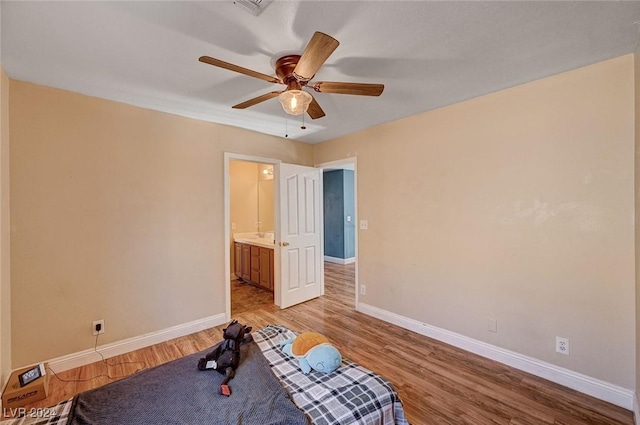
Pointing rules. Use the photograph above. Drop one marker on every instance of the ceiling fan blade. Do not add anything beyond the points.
(236, 68)
(317, 51)
(361, 89)
(315, 111)
(256, 100)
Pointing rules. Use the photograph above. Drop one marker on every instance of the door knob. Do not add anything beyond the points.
(284, 243)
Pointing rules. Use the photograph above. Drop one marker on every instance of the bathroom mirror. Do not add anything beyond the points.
(265, 198)
(251, 197)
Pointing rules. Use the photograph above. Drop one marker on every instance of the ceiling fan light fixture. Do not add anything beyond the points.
(295, 102)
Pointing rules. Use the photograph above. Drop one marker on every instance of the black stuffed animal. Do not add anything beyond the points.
(225, 356)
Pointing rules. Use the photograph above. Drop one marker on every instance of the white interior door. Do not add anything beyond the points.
(300, 242)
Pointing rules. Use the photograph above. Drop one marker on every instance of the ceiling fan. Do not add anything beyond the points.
(296, 71)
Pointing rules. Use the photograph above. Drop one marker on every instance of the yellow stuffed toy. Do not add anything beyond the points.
(313, 351)
(305, 342)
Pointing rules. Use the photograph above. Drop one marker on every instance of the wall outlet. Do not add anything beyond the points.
(492, 325)
(95, 327)
(364, 224)
(363, 290)
(562, 345)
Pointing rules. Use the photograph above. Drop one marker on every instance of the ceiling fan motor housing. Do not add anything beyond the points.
(284, 70)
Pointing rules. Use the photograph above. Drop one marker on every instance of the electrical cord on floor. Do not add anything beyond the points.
(108, 375)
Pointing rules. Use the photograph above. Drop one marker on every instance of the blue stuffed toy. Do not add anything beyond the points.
(313, 351)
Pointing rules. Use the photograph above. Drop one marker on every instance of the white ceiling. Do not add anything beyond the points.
(427, 54)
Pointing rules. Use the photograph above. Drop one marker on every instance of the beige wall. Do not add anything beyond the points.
(116, 214)
(637, 230)
(5, 266)
(516, 206)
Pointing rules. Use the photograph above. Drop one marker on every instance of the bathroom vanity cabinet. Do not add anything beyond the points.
(254, 264)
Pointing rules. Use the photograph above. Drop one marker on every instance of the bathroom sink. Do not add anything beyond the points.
(265, 240)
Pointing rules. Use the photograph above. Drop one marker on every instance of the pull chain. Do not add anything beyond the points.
(286, 128)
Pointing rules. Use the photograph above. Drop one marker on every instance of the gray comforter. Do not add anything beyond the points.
(178, 393)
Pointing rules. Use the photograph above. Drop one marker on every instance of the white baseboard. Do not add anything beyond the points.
(339, 260)
(585, 384)
(636, 408)
(81, 358)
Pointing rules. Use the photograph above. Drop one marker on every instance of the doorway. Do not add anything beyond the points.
(297, 237)
(339, 215)
(248, 221)
(251, 212)
(340, 221)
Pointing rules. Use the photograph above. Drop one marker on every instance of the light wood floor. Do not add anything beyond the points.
(439, 384)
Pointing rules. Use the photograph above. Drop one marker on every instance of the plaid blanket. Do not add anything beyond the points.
(349, 395)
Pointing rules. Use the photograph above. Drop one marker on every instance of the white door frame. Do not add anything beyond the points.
(337, 164)
(229, 156)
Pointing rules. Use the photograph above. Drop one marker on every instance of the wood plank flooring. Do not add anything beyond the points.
(438, 383)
